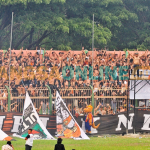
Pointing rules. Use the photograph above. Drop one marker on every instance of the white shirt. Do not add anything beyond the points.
(7, 147)
(29, 141)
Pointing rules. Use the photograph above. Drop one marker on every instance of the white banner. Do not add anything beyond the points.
(4, 136)
(31, 120)
(142, 89)
(65, 123)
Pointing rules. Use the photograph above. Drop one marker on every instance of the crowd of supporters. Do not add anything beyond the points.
(35, 71)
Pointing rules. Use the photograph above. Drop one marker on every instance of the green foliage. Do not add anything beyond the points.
(65, 25)
(25, 2)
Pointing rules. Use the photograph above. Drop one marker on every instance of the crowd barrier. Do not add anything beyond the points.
(104, 101)
(39, 97)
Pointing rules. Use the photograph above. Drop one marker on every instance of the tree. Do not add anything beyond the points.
(65, 25)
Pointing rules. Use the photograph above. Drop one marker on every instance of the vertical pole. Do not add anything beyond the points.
(92, 100)
(92, 46)
(10, 47)
(50, 100)
(128, 100)
(8, 90)
(40, 112)
(92, 64)
(43, 55)
(134, 101)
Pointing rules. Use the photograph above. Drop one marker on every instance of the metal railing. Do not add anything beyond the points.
(75, 99)
(105, 101)
(39, 97)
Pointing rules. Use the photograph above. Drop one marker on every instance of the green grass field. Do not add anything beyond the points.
(95, 143)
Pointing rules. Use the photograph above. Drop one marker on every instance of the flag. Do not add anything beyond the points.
(66, 125)
(4, 136)
(31, 120)
(85, 51)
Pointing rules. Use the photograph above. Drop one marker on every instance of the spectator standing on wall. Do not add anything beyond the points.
(136, 61)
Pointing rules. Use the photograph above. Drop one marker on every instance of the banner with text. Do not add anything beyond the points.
(31, 120)
(110, 124)
(65, 123)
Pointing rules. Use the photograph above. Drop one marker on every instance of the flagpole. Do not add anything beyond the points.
(10, 46)
(92, 46)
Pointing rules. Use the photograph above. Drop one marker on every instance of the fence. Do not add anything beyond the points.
(39, 97)
(104, 101)
(75, 99)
